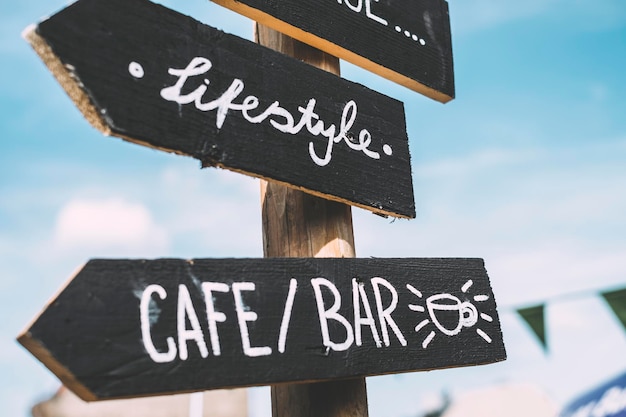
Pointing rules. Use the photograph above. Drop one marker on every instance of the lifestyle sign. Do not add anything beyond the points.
(125, 328)
(152, 76)
(406, 41)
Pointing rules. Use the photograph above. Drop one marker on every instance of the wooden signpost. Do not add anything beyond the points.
(128, 328)
(296, 224)
(132, 328)
(152, 76)
(406, 41)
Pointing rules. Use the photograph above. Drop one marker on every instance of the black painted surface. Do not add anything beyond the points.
(98, 40)
(93, 327)
(409, 37)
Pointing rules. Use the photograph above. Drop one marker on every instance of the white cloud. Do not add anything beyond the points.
(112, 224)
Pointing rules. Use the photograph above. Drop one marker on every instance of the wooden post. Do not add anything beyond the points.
(296, 224)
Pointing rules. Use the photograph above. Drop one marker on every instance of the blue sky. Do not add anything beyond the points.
(525, 168)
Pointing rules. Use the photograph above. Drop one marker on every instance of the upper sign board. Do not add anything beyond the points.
(152, 76)
(125, 328)
(406, 41)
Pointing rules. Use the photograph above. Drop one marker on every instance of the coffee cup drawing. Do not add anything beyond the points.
(449, 314)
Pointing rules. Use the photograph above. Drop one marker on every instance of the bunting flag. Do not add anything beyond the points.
(535, 318)
(617, 301)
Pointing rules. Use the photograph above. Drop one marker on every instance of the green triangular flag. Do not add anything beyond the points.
(617, 301)
(535, 318)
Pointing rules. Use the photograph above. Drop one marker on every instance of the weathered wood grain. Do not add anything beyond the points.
(126, 328)
(296, 224)
(154, 77)
(406, 41)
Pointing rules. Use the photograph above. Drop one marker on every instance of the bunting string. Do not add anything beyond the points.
(535, 318)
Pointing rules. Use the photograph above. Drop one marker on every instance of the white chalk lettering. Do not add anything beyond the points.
(146, 337)
(213, 317)
(331, 314)
(437, 314)
(279, 118)
(186, 312)
(368, 13)
(197, 66)
(357, 6)
(284, 324)
(358, 294)
(243, 317)
(384, 313)
(347, 120)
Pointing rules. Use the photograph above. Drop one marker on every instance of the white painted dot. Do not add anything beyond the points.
(407, 33)
(423, 42)
(415, 38)
(387, 150)
(136, 70)
(398, 29)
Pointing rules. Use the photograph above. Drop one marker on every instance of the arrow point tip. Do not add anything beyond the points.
(28, 32)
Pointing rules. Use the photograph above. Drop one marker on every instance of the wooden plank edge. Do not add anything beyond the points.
(315, 380)
(71, 382)
(40, 352)
(333, 49)
(65, 375)
(376, 210)
(343, 378)
(67, 78)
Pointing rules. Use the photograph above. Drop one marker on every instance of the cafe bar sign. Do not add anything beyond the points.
(125, 328)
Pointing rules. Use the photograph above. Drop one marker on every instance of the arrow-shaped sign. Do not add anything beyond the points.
(406, 41)
(126, 328)
(152, 76)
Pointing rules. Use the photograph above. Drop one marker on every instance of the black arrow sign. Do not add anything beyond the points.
(155, 77)
(406, 41)
(125, 328)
